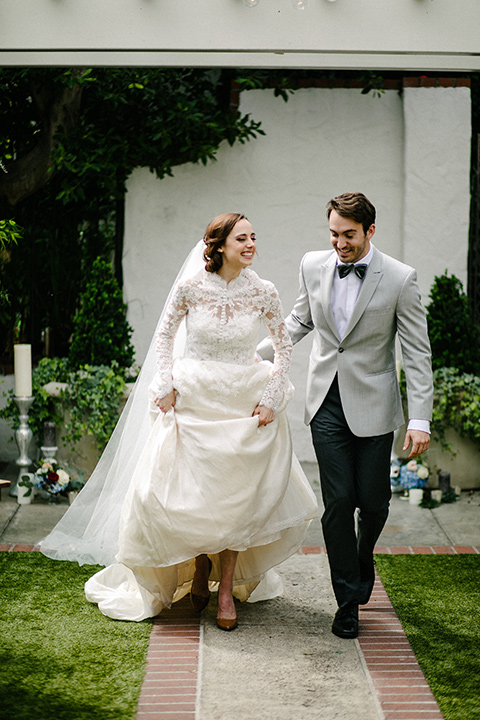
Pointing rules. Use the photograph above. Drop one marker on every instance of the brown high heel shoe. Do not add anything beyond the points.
(227, 624)
(200, 602)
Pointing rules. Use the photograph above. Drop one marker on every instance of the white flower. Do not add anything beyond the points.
(412, 466)
(63, 478)
(422, 472)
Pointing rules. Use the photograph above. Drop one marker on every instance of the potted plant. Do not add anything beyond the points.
(455, 446)
(455, 342)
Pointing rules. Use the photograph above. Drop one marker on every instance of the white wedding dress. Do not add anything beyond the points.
(209, 478)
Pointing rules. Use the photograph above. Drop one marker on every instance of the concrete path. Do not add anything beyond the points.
(283, 661)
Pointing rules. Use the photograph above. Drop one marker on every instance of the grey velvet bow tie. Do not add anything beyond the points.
(359, 270)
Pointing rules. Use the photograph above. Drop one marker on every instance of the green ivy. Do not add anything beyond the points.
(43, 408)
(456, 404)
(92, 397)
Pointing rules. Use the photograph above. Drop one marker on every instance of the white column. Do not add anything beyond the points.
(437, 182)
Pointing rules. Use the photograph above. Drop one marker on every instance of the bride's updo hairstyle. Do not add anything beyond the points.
(215, 236)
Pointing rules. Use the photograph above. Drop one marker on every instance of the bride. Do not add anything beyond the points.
(213, 493)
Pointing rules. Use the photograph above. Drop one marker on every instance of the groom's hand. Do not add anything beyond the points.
(418, 440)
(265, 415)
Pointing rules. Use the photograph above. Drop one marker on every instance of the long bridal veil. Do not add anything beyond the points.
(88, 532)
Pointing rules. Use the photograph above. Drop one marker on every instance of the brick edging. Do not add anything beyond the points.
(16, 547)
(170, 686)
(398, 680)
(408, 550)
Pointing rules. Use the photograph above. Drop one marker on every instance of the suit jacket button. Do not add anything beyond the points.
(340, 349)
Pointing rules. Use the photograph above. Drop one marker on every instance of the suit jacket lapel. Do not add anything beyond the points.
(327, 272)
(369, 285)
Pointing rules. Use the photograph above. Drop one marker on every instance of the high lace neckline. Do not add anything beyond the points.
(239, 280)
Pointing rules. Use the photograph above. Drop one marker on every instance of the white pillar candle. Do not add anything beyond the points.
(22, 355)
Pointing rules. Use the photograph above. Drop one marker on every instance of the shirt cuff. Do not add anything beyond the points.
(422, 425)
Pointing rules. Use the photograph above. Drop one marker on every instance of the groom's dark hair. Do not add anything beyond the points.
(354, 206)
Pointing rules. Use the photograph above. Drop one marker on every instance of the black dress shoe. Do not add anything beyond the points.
(345, 624)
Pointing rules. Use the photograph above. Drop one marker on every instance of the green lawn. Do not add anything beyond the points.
(437, 598)
(61, 658)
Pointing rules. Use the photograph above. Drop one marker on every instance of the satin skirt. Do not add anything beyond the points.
(209, 479)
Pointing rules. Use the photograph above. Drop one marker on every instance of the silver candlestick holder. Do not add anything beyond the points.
(23, 436)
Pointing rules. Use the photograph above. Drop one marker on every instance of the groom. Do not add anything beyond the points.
(357, 301)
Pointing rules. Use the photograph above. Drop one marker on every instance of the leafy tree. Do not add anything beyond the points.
(9, 234)
(454, 337)
(101, 334)
(69, 138)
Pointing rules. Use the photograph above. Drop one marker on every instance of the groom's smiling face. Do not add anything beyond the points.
(349, 240)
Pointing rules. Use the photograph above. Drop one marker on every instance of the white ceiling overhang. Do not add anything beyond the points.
(411, 35)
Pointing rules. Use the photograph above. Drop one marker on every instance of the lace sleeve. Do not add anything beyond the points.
(273, 318)
(174, 314)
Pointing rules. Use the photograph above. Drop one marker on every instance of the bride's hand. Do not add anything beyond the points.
(265, 415)
(167, 402)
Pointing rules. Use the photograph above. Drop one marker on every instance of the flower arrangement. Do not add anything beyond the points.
(51, 478)
(411, 475)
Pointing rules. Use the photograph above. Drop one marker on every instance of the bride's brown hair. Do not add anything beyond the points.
(215, 236)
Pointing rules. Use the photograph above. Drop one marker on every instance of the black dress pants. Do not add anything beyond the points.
(354, 473)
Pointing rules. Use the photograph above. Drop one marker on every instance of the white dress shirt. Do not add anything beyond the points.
(345, 293)
(344, 296)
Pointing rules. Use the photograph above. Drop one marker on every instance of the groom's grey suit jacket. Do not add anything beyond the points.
(388, 305)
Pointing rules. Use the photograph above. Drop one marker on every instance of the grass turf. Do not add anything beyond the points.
(437, 601)
(60, 657)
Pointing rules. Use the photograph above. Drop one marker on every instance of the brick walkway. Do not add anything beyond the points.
(399, 682)
(169, 690)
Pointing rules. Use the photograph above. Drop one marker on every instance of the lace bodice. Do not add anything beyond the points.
(222, 323)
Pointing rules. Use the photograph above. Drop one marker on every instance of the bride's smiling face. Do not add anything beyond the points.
(239, 248)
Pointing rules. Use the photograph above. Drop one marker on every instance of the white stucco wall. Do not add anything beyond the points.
(408, 153)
